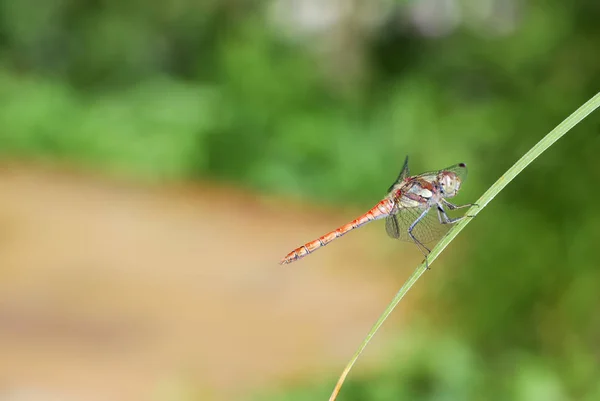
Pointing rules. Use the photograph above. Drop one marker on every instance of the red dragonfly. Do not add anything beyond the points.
(407, 209)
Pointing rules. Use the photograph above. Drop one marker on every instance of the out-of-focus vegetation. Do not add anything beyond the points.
(322, 103)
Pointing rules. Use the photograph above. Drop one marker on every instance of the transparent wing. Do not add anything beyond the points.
(459, 169)
(391, 227)
(427, 230)
(403, 174)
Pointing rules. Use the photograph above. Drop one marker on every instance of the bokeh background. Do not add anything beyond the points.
(158, 158)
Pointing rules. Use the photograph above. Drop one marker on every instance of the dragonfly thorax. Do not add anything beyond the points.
(416, 192)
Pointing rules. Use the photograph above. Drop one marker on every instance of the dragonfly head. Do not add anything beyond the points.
(449, 183)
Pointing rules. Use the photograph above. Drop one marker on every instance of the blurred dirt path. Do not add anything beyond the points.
(111, 291)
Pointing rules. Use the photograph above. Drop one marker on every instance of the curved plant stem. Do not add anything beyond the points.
(498, 186)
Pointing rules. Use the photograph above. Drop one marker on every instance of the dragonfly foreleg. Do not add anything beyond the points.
(445, 219)
(452, 206)
(419, 244)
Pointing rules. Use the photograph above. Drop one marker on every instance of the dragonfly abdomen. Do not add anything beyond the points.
(381, 210)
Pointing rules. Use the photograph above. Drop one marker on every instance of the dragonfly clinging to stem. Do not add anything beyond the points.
(414, 210)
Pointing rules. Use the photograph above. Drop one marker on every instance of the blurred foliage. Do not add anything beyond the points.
(436, 367)
(184, 89)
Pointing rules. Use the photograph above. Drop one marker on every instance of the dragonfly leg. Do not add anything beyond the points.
(452, 206)
(426, 251)
(440, 215)
(445, 219)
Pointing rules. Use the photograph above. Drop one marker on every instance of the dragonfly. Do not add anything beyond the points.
(414, 210)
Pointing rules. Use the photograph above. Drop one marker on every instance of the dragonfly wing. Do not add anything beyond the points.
(391, 227)
(459, 169)
(427, 230)
(403, 174)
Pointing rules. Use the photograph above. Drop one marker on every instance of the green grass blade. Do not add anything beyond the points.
(498, 186)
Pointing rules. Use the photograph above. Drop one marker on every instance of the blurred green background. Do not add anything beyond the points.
(320, 101)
